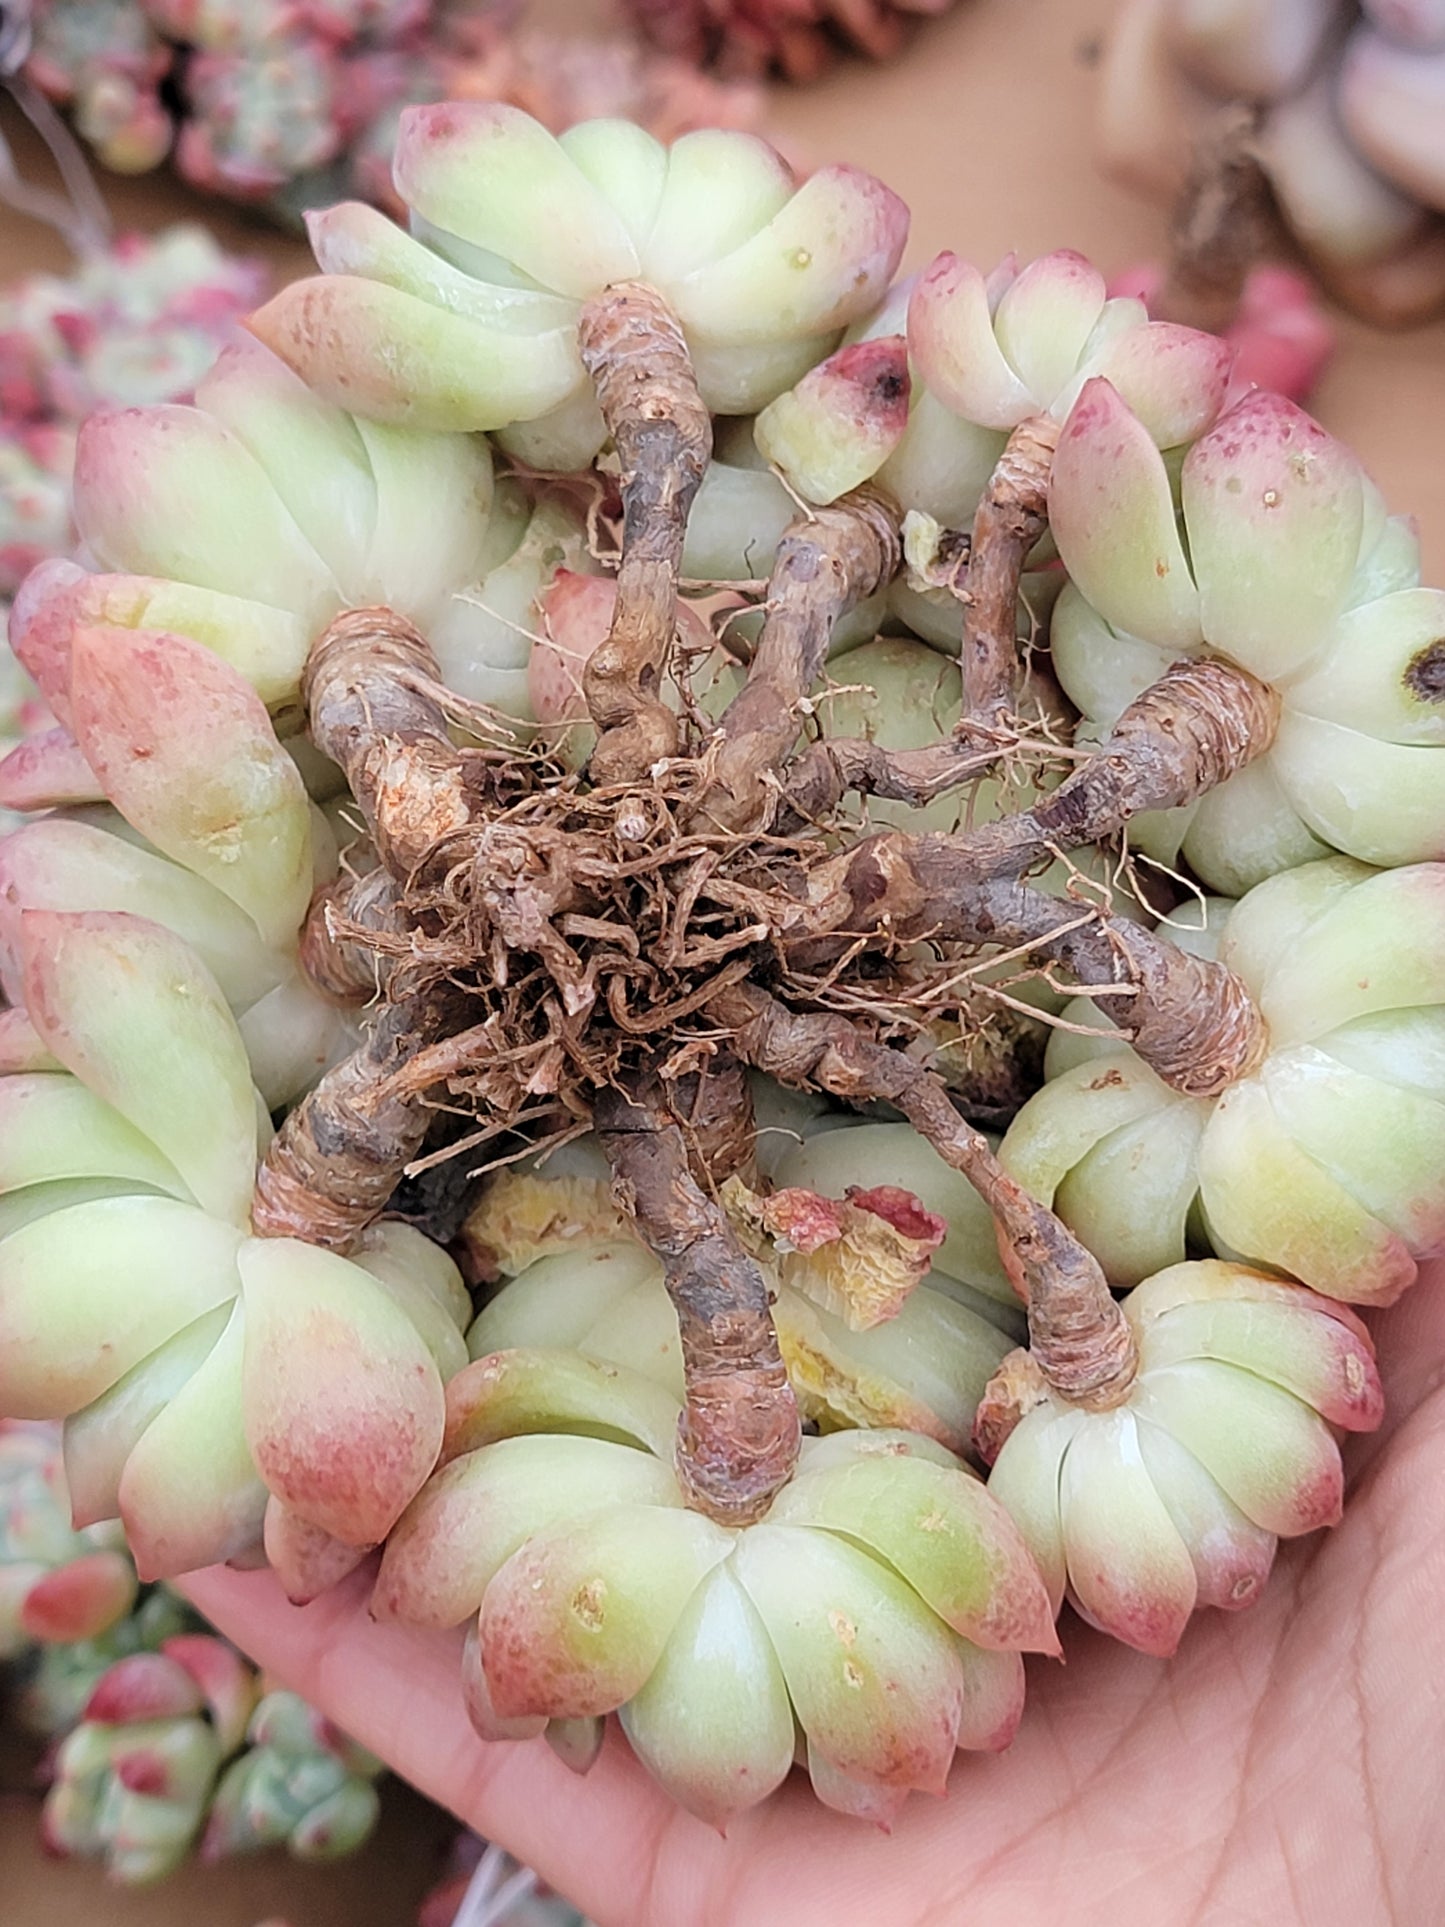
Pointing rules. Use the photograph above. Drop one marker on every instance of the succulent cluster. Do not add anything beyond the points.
(293, 102)
(532, 967)
(798, 39)
(1347, 104)
(137, 322)
(162, 1737)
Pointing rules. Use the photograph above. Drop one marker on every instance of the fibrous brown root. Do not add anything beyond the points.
(632, 346)
(739, 1434)
(1082, 1342)
(828, 560)
(1223, 224)
(367, 693)
(1008, 522)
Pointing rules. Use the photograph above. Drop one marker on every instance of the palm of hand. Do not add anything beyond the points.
(1288, 1764)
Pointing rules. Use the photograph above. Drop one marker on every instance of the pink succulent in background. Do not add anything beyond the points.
(141, 1711)
(796, 38)
(299, 1784)
(133, 1781)
(882, 1604)
(1174, 1497)
(57, 1585)
(291, 106)
(136, 322)
(1335, 619)
(1323, 1163)
(1349, 100)
(57, 1680)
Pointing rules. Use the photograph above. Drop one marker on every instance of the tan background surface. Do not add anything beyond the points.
(984, 127)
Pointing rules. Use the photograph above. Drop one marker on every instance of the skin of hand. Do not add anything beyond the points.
(1288, 1765)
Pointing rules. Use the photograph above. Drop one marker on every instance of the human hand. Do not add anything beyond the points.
(1288, 1764)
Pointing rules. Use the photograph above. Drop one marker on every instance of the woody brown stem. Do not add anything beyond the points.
(632, 346)
(1190, 1019)
(1222, 225)
(366, 690)
(1008, 522)
(828, 560)
(1077, 1332)
(334, 1163)
(739, 1434)
(1188, 733)
(824, 774)
(334, 952)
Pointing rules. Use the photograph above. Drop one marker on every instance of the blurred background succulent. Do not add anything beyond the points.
(291, 103)
(1348, 106)
(161, 1738)
(137, 321)
(795, 38)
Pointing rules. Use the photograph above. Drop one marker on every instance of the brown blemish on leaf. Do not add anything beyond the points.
(1425, 672)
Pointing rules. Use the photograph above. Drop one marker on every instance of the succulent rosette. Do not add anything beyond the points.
(57, 1584)
(471, 321)
(1174, 1496)
(1322, 1162)
(1280, 558)
(134, 1779)
(299, 1784)
(163, 672)
(1348, 96)
(204, 1374)
(954, 361)
(881, 1606)
(321, 511)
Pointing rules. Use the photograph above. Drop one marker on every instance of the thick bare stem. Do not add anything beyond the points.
(334, 952)
(1008, 522)
(632, 346)
(1190, 1019)
(739, 1433)
(824, 774)
(1079, 1336)
(370, 710)
(335, 1162)
(828, 560)
(1188, 733)
(1221, 226)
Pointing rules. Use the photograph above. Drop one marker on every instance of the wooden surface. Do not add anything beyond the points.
(985, 128)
